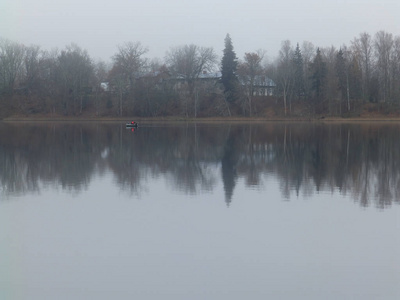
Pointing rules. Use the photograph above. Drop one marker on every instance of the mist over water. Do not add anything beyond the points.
(195, 211)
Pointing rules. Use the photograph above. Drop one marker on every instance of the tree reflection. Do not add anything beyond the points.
(360, 160)
(228, 165)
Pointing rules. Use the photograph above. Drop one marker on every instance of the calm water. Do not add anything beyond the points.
(256, 211)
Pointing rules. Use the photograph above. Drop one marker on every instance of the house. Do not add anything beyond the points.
(155, 79)
(262, 85)
(105, 86)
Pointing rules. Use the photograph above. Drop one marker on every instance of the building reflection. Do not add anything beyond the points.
(353, 159)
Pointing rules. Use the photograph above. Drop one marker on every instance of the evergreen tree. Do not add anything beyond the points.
(298, 72)
(318, 76)
(342, 76)
(228, 69)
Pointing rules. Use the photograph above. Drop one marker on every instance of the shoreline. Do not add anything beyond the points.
(361, 119)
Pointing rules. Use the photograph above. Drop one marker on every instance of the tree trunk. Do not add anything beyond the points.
(284, 100)
(227, 106)
(348, 93)
(120, 103)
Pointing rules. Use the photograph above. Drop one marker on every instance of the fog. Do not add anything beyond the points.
(99, 26)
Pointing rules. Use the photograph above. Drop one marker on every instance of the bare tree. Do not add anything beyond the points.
(248, 71)
(129, 59)
(11, 60)
(285, 71)
(32, 66)
(101, 70)
(118, 82)
(363, 50)
(396, 68)
(188, 63)
(330, 94)
(129, 63)
(383, 48)
(75, 70)
(50, 78)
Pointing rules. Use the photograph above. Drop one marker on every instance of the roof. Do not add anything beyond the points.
(259, 80)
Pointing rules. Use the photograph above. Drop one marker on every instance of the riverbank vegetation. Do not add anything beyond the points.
(303, 81)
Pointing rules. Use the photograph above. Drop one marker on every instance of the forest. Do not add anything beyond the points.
(191, 81)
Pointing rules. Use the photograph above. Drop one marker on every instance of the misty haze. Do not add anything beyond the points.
(199, 149)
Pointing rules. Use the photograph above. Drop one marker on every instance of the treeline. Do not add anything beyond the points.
(192, 81)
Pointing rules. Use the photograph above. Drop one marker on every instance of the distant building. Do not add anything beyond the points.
(105, 86)
(262, 85)
(210, 76)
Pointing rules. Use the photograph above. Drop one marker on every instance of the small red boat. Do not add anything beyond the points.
(132, 124)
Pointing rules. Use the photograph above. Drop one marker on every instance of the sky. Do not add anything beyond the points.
(99, 26)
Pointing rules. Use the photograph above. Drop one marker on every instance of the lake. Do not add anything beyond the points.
(200, 211)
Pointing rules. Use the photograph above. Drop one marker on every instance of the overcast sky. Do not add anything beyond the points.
(100, 25)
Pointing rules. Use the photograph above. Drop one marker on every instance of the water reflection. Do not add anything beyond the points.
(352, 159)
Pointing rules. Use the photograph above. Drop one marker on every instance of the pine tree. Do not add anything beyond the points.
(341, 74)
(342, 77)
(228, 69)
(318, 76)
(298, 72)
